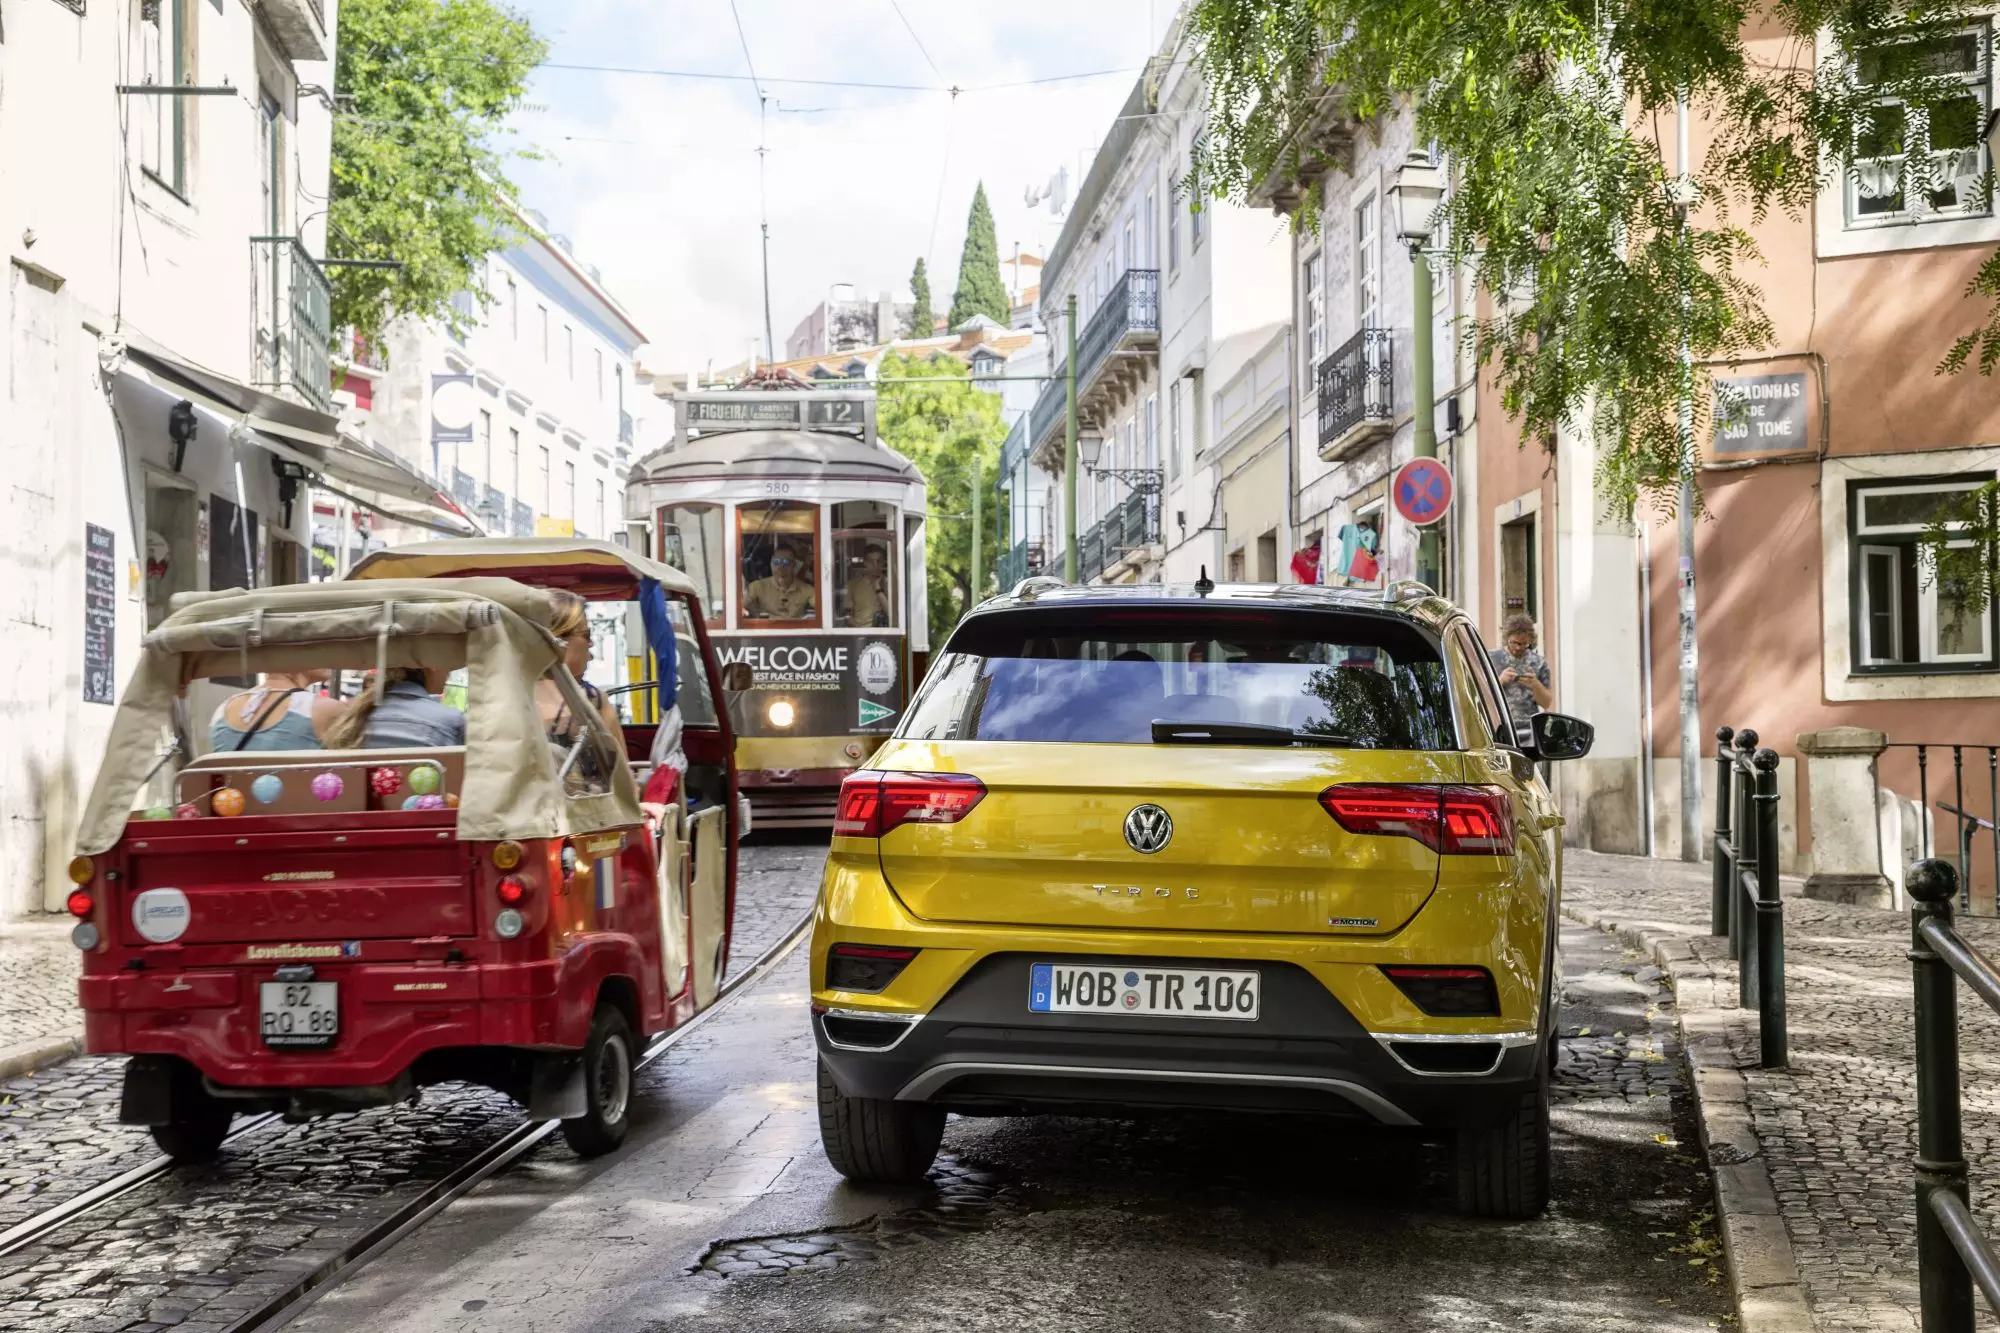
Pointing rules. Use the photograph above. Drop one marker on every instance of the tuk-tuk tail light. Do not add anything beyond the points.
(82, 870)
(512, 890)
(506, 855)
(81, 903)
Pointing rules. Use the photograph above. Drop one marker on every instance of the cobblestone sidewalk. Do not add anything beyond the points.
(1837, 1129)
(39, 1020)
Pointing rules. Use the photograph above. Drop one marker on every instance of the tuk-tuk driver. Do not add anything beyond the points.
(784, 595)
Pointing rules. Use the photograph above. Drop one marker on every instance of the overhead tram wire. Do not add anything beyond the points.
(944, 161)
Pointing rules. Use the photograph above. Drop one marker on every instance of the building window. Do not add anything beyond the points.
(163, 120)
(1174, 428)
(569, 352)
(1130, 246)
(542, 314)
(1174, 224)
(1918, 161)
(569, 491)
(511, 470)
(1367, 266)
(543, 482)
(1905, 617)
(1150, 232)
(485, 447)
(597, 355)
(513, 309)
(1314, 305)
(1152, 431)
(603, 515)
(1197, 216)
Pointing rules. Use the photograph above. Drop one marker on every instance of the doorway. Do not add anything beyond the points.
(1520, 570)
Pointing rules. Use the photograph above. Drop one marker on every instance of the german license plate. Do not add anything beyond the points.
(300, 1014)
(1177, 992)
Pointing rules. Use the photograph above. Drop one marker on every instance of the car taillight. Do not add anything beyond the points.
(81, 903)
(1452, 821)
(511, 890)
(865, 967)
(871, 804)
(1448, 992)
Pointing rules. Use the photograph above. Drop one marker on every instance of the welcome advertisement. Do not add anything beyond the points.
(837, 685)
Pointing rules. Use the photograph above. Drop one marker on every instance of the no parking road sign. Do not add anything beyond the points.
(1421, 491)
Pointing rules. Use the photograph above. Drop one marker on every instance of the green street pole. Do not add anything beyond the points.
(1069, 451)
(978, 486)
(1425, 443)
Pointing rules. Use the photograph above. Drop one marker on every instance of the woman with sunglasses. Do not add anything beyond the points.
(571, 623)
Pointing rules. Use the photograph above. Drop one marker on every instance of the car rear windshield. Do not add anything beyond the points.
(1110, 675)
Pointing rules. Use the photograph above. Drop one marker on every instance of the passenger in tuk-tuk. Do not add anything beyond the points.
(570, 622)
(408, 715)
(289, 711)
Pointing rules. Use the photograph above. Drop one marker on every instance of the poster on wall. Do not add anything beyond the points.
(100, 614)
(833, 685)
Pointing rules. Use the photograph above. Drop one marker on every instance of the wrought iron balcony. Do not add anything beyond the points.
(1132, 525)
(1128, 321)
(1024, 560)
(1014, 450)
(1356, 383)
(294, 321)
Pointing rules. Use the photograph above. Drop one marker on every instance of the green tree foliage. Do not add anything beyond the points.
(1555, 118)
(922, 321)
(980, 291)
(418, 173)
(943, 429)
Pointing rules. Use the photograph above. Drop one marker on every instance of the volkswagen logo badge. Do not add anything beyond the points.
(1148, 828)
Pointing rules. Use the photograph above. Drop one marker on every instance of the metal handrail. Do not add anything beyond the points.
(1952, 1254)
(1744, 902)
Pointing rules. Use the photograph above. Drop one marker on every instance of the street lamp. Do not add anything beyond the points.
(1415, 197)
(1144, 480)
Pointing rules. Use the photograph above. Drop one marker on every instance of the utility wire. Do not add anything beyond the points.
(763, 196)
(753, 78)
(911, 29)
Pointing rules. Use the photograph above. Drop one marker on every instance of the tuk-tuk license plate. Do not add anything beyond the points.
(300, 1014)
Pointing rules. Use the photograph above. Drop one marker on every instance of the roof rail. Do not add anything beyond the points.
(1407, 590)
(1027, 588)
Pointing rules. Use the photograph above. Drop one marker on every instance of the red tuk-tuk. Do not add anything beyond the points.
(321, 930)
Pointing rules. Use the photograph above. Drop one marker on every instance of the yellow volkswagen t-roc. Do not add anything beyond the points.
(1252, 847)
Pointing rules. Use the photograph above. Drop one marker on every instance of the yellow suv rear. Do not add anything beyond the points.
(1226, 847)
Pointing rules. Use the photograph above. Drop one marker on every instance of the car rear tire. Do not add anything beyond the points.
(1503, 1168)
(877, 1142)
(607, 1086)
(199, 1125)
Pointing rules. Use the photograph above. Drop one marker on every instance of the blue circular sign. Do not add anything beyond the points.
(1421, 491)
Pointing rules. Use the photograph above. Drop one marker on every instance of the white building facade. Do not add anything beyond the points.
(1175, 304)
(531, 421)
(165, 390)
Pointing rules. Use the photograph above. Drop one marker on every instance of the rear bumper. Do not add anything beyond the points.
(980, 1050)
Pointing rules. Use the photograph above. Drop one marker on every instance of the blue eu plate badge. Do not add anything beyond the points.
(1040, 983)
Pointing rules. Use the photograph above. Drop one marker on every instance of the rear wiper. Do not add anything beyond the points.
(1238, 733)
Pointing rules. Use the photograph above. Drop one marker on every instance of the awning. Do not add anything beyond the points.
(349, 467)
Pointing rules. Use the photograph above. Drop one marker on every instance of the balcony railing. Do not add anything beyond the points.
(294, 320)
(1025, 560)
(1131, 312)
(1130, 526)
(1356, 384)
(1014, 450)
(624, 428)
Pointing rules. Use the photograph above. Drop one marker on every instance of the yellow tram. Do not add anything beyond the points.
(806, 535)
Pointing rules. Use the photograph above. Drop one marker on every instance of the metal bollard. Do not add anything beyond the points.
(1944, 1285)
(1724, 883)
(1773, 1036)
(1744, 818)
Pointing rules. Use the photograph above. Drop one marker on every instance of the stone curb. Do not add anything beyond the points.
(25, 1057)
(1763, 1270)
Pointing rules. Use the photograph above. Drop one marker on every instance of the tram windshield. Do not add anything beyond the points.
(864, 575)
(691, 540)
(776, 541)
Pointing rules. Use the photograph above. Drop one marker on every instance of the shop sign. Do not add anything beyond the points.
(100, 613)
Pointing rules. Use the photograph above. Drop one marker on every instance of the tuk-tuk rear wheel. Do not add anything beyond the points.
(199, 1125)
(607, 1086)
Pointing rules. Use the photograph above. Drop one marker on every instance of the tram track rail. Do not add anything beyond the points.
(497, 1157)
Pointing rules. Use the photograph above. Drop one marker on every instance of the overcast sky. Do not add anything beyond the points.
(655, 179)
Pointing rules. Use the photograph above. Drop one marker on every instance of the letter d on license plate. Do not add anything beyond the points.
(299, 1014)
(1146, 992)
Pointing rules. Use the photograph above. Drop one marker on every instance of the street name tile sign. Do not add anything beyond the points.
(1760, 414)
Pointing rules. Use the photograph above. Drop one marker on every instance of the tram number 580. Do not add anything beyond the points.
(777, 488)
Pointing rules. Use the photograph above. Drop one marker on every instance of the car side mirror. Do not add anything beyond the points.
(1559, 736)
(736, 677)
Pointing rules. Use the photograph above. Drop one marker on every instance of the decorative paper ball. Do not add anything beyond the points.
(228, 801)
(451, 801)
(385, 781)
(328, 787)
(267, 788)
(187, 812)
(425, 779)
(410, 802)
(157, 812)
(427, 801)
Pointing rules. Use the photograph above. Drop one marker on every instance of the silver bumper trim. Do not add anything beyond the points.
(1506, 1041)
(937, 1077)
(909, 1022)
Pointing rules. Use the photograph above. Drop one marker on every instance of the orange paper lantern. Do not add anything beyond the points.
(228, 801)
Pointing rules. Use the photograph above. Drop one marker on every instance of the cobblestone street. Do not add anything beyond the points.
(199, 1246)
(37, 983)
(1838, 1127)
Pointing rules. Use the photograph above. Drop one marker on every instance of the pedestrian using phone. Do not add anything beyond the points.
(1523, 671)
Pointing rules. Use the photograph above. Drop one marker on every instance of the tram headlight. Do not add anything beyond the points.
(781, 713)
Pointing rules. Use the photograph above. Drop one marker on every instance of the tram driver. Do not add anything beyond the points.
(784, 594)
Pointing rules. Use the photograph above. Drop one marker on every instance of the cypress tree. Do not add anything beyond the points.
(922, 322)
(980, 291)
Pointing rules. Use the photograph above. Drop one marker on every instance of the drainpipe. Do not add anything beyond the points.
(1690, 674)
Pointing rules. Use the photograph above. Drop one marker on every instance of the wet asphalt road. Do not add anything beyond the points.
(721, 1213)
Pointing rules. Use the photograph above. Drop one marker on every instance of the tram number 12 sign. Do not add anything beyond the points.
(1421, 491)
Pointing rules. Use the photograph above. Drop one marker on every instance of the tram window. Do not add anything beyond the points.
(776, 541)
(864, 578)
(691, 541)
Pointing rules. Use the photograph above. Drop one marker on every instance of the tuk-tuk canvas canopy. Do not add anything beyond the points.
(593, 570)
(495, 628)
